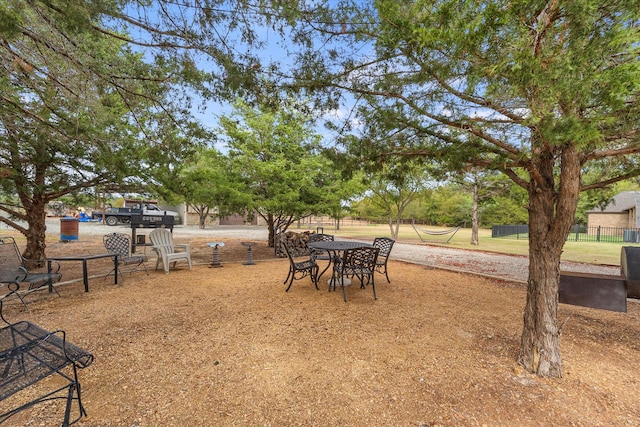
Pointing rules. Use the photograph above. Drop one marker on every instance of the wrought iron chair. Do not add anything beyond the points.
(162, 240)
(319, 254)
(120, 244)
(357, 262)
(302, 269)
(13, 271)
(384, 244)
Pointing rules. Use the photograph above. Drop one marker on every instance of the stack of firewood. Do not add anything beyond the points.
(297, 243)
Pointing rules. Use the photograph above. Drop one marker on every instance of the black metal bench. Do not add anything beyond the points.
(13, 271)
(29, 354)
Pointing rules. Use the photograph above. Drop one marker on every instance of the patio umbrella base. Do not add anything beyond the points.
(347, 282)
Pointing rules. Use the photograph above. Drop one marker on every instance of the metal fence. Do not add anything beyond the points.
(579, 233)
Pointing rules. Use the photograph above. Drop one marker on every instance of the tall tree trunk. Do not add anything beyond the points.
(551, 214)
(474, 216)
(540, 341)
(203, 213)
(396, 232)
(391, 224)
(270, 220)
(36, 232)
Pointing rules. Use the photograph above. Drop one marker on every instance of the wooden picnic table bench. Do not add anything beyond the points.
(28, 355)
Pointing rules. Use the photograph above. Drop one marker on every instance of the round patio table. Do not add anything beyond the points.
(335, 249)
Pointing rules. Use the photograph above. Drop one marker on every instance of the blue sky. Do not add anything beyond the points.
(272, 51)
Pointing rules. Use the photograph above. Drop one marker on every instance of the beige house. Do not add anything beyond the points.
(621, 212)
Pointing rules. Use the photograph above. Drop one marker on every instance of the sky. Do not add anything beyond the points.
(272, 51)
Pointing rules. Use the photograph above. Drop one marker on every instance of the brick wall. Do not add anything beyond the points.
(603, 219)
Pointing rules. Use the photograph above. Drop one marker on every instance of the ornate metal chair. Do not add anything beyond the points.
(300, 269)
(120, 244)
(318, 254)
(162, 240)
(384, 244)
(357, 262)
(13, 271)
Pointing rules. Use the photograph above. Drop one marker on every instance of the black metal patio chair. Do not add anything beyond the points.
(120, 244)
(357, 262)
(319, 254)
(299, 269)
(384, 244)
(29, 355)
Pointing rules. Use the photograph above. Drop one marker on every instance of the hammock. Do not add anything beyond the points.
(451, 231)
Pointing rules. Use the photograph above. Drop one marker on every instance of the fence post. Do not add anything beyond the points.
(598, 234)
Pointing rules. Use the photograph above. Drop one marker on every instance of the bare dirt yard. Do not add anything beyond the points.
(228, 347)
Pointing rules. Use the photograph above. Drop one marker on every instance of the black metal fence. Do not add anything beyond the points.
(579, 233)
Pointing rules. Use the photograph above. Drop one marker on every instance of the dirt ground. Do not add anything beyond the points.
(228, 347)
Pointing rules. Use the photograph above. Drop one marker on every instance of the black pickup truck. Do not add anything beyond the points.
(115, 216)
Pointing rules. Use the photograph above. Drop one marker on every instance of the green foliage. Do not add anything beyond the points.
(500, 85)
(275, 154)
(64, 128)
(446, 206)
(80, 108)
(74, 201)
(209, 186)
(393, 188)
(99, 94)
(503, 210)
(367, 210)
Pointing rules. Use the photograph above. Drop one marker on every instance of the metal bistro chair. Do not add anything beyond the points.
(384, 244)
(319, 254)
(162, 241)
(307, 267)
(13, 271)
(357, 262)
(120, 244)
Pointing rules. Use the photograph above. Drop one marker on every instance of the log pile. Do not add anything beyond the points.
(297, 243)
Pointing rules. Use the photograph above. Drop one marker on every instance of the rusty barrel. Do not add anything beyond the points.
(69, 229)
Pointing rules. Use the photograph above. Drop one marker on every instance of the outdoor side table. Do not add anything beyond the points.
(249, 246)
(215, 262)
(84, 259)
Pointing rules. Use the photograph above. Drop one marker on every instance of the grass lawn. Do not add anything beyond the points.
(587, 252)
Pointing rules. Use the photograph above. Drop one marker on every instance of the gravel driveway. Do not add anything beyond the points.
(510, 267)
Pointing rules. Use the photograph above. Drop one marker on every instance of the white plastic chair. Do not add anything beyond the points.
(162, 241)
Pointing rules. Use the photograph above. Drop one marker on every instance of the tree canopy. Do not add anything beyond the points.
(65, 127)
(209, 185)
(276, 152)
(100, 94)
(393, 188)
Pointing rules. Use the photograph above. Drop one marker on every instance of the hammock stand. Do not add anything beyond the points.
(451, 231)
